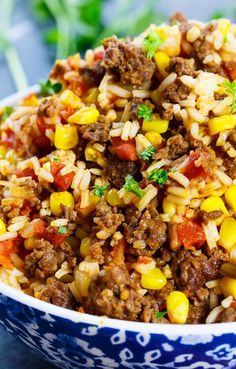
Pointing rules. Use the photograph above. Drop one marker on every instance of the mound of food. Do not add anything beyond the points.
(118, 181)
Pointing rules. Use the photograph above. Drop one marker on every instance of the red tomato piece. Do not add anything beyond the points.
(63, 182)
(191, 235)
(27, 172)
(99, 55)
(125, 150)
(191, 170)
(42, 125)
(43, 143)
(54, 237)
(8, 139)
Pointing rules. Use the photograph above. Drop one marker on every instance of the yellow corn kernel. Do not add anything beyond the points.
(30, 100)
(81, 233)
(177, 307)
(154, 138)
(219, 124)
(93, 200)
(155, 124)
(61, 198)
(228, 286)
(228, 233)
(214, 203)
(29, 243)
(124, 295)
(84, 116)
(3, 151)
(90, 152)
(84, 247)
(230, 196)
(153, 280)
(2, 227)
(72, 241)
(162, 61)
(228, 270)
(92, 95)
(168, 207)
(224, 26)
(66, 137)
(113, 198)
(68, 98)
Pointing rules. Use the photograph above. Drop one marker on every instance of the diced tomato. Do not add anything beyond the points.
(63, 182)
(7, 248)
(43, 143)
(99, 55)
(230, 70)
(27, 172)
(79, 86)
(42, 125)
(54, 237)
(66, 113)
(125, 150)
(191, 235)
(144, 260)
(8, 138)
(191, 170)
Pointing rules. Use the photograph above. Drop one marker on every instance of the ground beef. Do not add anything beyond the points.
(177, 17)
(134, 107)
(58, 293)
(176, 146)
(127, 61)
(145, 226)
(174, 93)
(207, 158)
(95, 132)
(206, 217)
(182, 66)
(118, 169)
(96, 249)
(92, 76)
(197, 314)
(230, 166)
(228, 315)
(59, 69)
(45, 259)
(107, 220)
(48, 107)
(191, 272)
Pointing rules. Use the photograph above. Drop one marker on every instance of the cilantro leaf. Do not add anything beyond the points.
(132, 186)
(8, 110)
(62, 230)
(160, 314)
(99, 190)
(147, 154)
(48, 88)
(230, 88)
(151, 43)
(144, 112)
(55, 159)
(159, 176)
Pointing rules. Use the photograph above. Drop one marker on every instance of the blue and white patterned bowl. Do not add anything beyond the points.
(73, 340)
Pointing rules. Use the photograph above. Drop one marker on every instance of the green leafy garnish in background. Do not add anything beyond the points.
(147, 154)
(99, 190)
(144, 112)
(230, 88)
(132, 186)
(151, 43)
(8, 110)
(159, 176)
(48, 88)
(160, 314)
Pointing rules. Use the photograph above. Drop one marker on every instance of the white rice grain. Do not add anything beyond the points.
(59, 222)
(180, 178)
(8, 236)
(212, 317)
(211, 233)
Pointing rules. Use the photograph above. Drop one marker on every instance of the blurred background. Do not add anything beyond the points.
(33, 33)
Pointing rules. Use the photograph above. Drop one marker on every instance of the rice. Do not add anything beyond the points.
(213, 315)
(180, 178)
(119, 91)
(8, 236)
(211, 233)
(59, 222)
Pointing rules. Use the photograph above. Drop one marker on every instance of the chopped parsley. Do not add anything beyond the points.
(49, 88)
(62, 230)
(132, 186)
(147, 154)
(8, 110)
(144, 112)
(159, 176)
(99, 190)
(160, 314)
(55, 159)
(151, 43)
(230, 88)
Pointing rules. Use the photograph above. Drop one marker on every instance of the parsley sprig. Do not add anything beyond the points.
(147, 154)
(99, 190)
(159, 176)
(48, 88)
(62, 230)
(151, 43)
(230, 88)
(132, 186)
(144, 112)
(160, 314)
(8, 110)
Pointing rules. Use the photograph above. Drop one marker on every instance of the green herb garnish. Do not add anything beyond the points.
(159, 176)
(144, 112)
(147, 154)
(132, 186)
(8, 110)
(160, 314)
(55, 159)
(151, 43)
(62, 230)
(48, 88)
(230, 88)
(99, 190)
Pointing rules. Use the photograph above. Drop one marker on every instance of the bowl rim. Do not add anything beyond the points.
(104, 322)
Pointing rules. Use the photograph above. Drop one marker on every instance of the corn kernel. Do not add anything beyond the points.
(124, 295)
(61, 198)
(2, 227)
(113, 198)
(153, 280)
(92, 95)
(155, 124)
(154, 138)
(228, 286)
(29, 243)
(228, 270)
(224, 26)
(68, 98)
(84, 116)
(169, 207)
(84, 247)
(3, 151)
(66, 137)
(228, 233)
(177, 307)
(214, 203)
(93, 200)
(219, 124)
(230, 196)
(30, 100)
(162, 61)
(90, 152)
